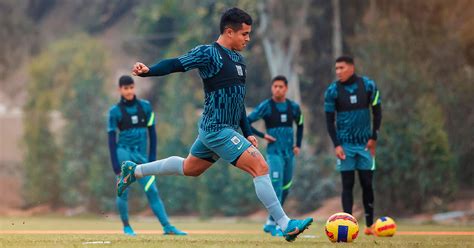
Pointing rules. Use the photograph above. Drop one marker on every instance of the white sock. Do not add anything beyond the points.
(270, 222)
(168, 166)
(266, 194)
(283, 222)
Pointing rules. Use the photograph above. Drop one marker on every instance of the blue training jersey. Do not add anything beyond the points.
(353, 127)
(136, 138)
(223, 108)
(284, 135)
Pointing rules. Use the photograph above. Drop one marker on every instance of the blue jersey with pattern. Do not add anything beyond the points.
(284, 135)
(136, 138)
(353, 127)
(223, 108)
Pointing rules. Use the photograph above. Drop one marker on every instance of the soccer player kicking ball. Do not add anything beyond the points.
(351, 98)
(223, 72)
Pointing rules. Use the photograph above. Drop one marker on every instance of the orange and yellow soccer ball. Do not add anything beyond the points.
(342, 227)
(385, 227)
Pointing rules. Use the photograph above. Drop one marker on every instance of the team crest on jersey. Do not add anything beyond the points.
(235, 140)
(134, 119)
(283, 118)
(239, 70)
(353, 99)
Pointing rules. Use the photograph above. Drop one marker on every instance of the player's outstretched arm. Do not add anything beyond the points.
(162, 68)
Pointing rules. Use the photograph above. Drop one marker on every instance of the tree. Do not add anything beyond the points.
(68, 78)
(337, 29)
(414, 154)
(17, 30)
(42, 153)
(282, 35)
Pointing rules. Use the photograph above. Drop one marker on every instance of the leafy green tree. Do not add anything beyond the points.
(414, 159)
(86, 177)
(17, 31)
(69, 78)
(42, 153)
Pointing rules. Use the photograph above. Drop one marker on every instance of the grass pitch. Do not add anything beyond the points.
(106, 232)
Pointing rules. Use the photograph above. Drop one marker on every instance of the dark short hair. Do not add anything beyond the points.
(233, 18)
(280, 78)
(345, 58)
(125, 80)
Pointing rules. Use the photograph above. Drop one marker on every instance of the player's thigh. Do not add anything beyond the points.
(138, 157)
(200, 151)
(348, 164)
(194, 166)
(227, 143)
(276, 164)
(252, 162)
(200, 158)
(123, 155)
(288, 170)
(365, 161)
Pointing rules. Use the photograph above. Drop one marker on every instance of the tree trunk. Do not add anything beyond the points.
(337, 30)
(282, 43)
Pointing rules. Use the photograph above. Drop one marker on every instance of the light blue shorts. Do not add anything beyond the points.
(357, 158)
(227, 144)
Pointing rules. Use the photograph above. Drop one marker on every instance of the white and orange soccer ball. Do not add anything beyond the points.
(385, 227)
(342, 227)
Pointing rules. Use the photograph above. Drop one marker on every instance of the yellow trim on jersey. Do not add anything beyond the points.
(376, 99)
(301, 120)
(151, 120)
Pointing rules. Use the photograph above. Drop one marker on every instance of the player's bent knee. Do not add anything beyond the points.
(261, 168)
(194, 167)
(192, 171)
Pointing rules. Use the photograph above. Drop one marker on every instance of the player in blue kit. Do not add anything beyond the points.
(136, 121)
(223, 72)
(347, 103)
(279, 114)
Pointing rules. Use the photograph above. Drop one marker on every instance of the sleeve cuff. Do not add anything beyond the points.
(374, 135)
